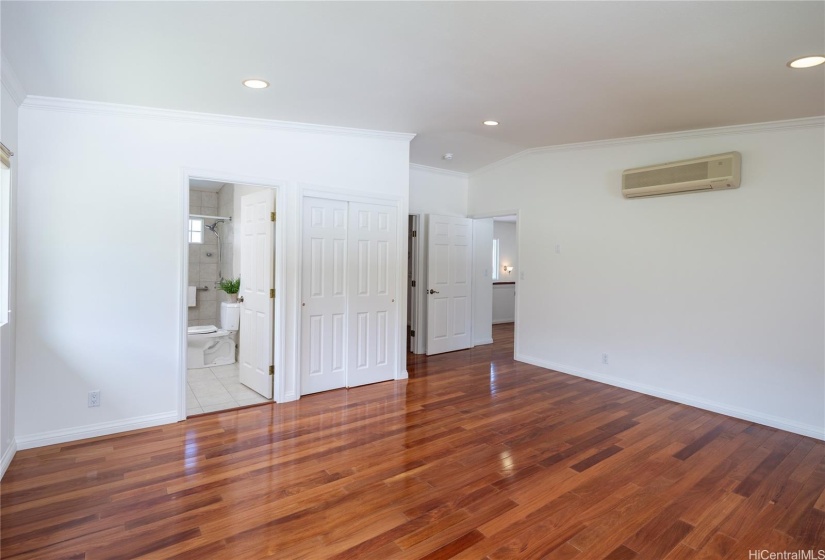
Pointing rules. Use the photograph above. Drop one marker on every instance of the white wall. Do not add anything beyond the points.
(504, 303)
(482, 288)
(435, 191)
(81, 165)
(10, 95)
(714, 299)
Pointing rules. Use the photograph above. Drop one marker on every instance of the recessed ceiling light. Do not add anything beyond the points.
(491, 123)
(807, 61)
(256, 84)
(448, 156)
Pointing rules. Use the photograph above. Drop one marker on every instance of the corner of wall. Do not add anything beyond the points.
(8, 455)
(11, 83)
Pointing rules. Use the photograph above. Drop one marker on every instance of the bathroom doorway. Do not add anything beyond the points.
(231, 316)
(496, 265)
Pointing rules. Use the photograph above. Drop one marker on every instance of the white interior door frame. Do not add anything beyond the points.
(346, 195)
(419, 324)
(501, 214)
(279, 319)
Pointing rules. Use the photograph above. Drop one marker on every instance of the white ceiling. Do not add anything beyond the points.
(551, 72)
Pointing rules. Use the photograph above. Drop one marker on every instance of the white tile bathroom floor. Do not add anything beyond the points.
(217, 388)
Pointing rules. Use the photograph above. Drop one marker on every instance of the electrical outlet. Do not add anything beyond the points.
(604, 358)
(94, 398)
(558, 248)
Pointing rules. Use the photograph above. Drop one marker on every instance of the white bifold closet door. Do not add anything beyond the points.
(349, 305)
(323, 295)
(372, 303)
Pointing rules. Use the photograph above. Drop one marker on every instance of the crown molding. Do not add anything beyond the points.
(11, 83)
(772, 126)
(40, 103)
(447, 172)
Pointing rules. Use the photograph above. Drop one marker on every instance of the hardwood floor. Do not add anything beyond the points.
(475, 456)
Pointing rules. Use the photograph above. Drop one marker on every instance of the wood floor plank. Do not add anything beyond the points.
(699, 443)
(621, 552)
(718, 547)
(475, 455)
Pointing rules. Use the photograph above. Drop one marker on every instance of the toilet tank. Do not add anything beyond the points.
(230, 316)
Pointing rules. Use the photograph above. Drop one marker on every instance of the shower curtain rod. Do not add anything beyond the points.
(228, 218)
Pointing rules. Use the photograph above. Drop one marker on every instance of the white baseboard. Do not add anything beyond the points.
(502, 321)
(95, 430)
(5, 461)
(289, 397)
(482, 342)
(817, 432)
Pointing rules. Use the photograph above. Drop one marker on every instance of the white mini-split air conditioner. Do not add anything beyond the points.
(709, 173)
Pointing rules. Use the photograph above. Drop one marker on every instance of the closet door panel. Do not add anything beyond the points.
(372, 305)
(323, 295)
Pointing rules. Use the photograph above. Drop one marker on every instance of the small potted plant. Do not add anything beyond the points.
(231, 287)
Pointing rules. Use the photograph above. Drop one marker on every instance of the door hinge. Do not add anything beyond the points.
(415, 233)
(272, 216)
(413, 283)
(271, 293)
(271, 370)
(412, 333)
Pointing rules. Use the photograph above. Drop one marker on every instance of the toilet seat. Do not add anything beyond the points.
(203, 329)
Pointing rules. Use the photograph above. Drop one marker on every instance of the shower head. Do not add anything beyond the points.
(213, 226)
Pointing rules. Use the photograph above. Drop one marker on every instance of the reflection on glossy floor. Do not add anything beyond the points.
(217, 388)
(475, 456)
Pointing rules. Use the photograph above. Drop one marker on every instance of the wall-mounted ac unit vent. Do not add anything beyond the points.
(721, 171)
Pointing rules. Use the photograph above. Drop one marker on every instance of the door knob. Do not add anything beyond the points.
(434, 291)
(240, 299)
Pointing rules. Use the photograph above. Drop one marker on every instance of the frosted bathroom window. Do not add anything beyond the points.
(195, 230)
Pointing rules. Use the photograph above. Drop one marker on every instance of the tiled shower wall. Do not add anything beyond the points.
(203, 261)
(226, 202)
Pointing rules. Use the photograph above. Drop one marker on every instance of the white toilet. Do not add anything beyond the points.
(208, 345)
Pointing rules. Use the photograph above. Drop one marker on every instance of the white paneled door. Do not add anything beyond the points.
(449, 288)
(372, 303)
(349, 305)
(323, 296)
(257, 289)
